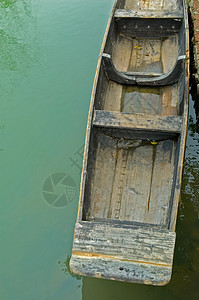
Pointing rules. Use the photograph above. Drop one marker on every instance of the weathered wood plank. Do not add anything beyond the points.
(121, 56)
(155, 5)
(170, 95)
(138, 122)
(126, 183)
(136, 244)
(102, 181)
(161, 183)
(169, 53)
(143, 185)
(130, 13)
(118, 184)
(108, 268)
(112, 98)
(142, 100)
(134, 204)
(122, 53)
(146, 56)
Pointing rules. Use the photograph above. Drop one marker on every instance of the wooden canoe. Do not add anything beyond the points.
(135, 144)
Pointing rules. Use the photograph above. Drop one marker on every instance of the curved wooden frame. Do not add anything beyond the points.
(146, 79)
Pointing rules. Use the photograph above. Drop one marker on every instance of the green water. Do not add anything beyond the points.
(48, 56)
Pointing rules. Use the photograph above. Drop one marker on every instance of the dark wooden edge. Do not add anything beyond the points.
(143, 79)
(125, 224)
(182, 141)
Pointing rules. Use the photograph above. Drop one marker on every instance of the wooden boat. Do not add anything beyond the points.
(135, 144)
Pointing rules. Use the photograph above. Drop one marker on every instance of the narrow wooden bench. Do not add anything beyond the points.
(171, 124)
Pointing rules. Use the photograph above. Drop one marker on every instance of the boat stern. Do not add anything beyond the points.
(125, 253)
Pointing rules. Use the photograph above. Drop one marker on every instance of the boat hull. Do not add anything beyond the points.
(135, 145)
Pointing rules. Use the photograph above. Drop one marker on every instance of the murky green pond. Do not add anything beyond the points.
(48, 56)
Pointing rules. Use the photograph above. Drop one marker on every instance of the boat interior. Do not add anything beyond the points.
(137, 117)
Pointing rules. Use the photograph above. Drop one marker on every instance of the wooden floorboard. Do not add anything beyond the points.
(146, 56)
(161, 183)
(118, 184)
(102, 181)
(144, 100)
(137, 185)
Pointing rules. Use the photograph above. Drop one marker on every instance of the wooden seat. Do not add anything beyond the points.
(144, 79)
(171, 124)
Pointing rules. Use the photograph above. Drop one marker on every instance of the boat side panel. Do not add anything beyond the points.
(182, 141)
